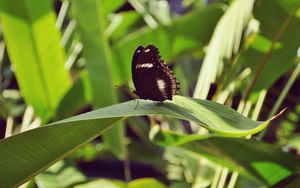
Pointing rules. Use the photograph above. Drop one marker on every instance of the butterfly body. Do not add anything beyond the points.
(152, 79)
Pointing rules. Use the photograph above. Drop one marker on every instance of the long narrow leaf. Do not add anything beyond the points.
(91, 22)
(22, 156)
(35, 52)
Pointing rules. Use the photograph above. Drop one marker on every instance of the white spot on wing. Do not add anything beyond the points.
(161, 84)
(144, 65)
(148, 65)
(147, 50)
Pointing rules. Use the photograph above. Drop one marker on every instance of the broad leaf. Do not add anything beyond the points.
(26, 154)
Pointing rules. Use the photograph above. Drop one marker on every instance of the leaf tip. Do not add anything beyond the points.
(279, 114)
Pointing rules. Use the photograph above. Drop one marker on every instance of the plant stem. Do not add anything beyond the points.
(282, 95)
(216, 177)
(9, 126)
(233, 179)
(223, 178)
(267, 56)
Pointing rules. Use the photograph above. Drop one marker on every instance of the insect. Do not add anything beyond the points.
(152, 79)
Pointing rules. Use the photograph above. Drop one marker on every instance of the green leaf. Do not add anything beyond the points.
(33, 45)
(107, 183)
(98, 61)
(146, 183)
(111, 6)
(4, 108)
(26, 154)
(282, 57)
(96, 50)
(252, 158)
(121, 24)
(213, 116)
(77, 97)
(61, 174)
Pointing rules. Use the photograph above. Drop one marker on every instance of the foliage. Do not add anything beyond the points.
(65, 68)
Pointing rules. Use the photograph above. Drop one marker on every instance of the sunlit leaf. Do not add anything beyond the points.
(225, 42)
(107, 183)
(146, 183)
(34, 49)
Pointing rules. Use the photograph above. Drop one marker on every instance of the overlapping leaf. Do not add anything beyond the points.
(263, 162)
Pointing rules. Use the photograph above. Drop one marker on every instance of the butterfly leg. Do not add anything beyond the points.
(137, 103)
(158, 103)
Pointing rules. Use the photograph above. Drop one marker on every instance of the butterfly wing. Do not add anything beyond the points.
(151, 77)
(143, 72)
(134, 70)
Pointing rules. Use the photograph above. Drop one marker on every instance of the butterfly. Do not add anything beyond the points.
(152, 79)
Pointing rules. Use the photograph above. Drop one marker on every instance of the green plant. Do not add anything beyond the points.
(54, 67)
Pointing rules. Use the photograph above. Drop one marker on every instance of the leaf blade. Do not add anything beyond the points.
(35, 53)
(22, 156)
(98, 57)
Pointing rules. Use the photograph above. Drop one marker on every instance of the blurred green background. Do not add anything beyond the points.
(60, 58)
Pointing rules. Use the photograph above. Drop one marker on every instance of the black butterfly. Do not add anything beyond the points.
(151, 77)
